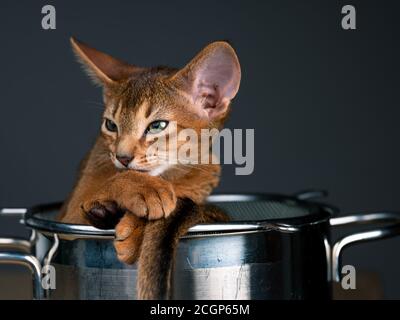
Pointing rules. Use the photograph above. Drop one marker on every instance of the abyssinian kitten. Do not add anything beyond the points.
(151, 201)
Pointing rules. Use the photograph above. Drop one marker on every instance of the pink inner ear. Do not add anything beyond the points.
(208, 98)
(216, 82)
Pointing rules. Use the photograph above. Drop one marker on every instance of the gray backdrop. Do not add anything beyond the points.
(324, 102)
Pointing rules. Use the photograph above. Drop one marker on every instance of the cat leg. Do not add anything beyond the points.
(128, 229)
(145, 196)
(128, 238)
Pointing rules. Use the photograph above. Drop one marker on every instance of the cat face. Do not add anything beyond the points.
(142, 111)
(144, 106)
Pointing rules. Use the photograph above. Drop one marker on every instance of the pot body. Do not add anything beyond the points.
(267, 264)
(275, 247)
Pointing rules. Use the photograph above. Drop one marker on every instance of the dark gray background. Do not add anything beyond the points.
(324, 102)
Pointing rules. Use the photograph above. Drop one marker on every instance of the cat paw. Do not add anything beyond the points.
(144, 196)
(160, 202)
(149, 202)
(128, 238)
(102, 214)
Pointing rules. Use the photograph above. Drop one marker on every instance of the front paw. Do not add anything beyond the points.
(151, 202)
(102, 214)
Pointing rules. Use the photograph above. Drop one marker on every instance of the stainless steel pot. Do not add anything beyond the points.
(275, 247)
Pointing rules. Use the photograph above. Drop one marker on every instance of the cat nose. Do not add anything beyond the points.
(124, 159)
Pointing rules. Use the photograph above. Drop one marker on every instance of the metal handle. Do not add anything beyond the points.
(21, 258)
(29, 261)
(393, 229)
(17, 243)
(311, 194)
(14, 212)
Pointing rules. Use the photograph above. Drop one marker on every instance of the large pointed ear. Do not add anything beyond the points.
(211, 80)
(101, 67)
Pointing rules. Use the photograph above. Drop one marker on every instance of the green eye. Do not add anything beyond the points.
(157, 126)
(111, 126)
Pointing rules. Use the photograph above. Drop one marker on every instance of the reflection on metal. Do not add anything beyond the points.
(15, 244)
(224, 283)
(364, 218)
(13, 212)
(390, 230)
(47, 261)
(352, 239)
(311, 194)
(30, 262)
(52, 251)
(311, 213)
(286, 258)
(328, 259)
(33, 237)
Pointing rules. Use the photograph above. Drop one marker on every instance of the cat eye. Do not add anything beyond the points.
(157, 126)
(111, 126)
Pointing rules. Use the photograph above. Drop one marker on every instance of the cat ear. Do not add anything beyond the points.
(101, 67)
(211, 79)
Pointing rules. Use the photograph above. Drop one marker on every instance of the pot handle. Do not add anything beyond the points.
(21, 258)
(29, 261)
(17, 243)
(13, 212)
(391, 230)
(310, 194)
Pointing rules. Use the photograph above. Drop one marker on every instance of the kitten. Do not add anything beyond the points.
(151, 201)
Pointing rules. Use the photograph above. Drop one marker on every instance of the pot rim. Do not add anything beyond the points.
(320, 213)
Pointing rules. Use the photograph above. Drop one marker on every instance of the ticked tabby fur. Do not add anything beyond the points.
(149, 201)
